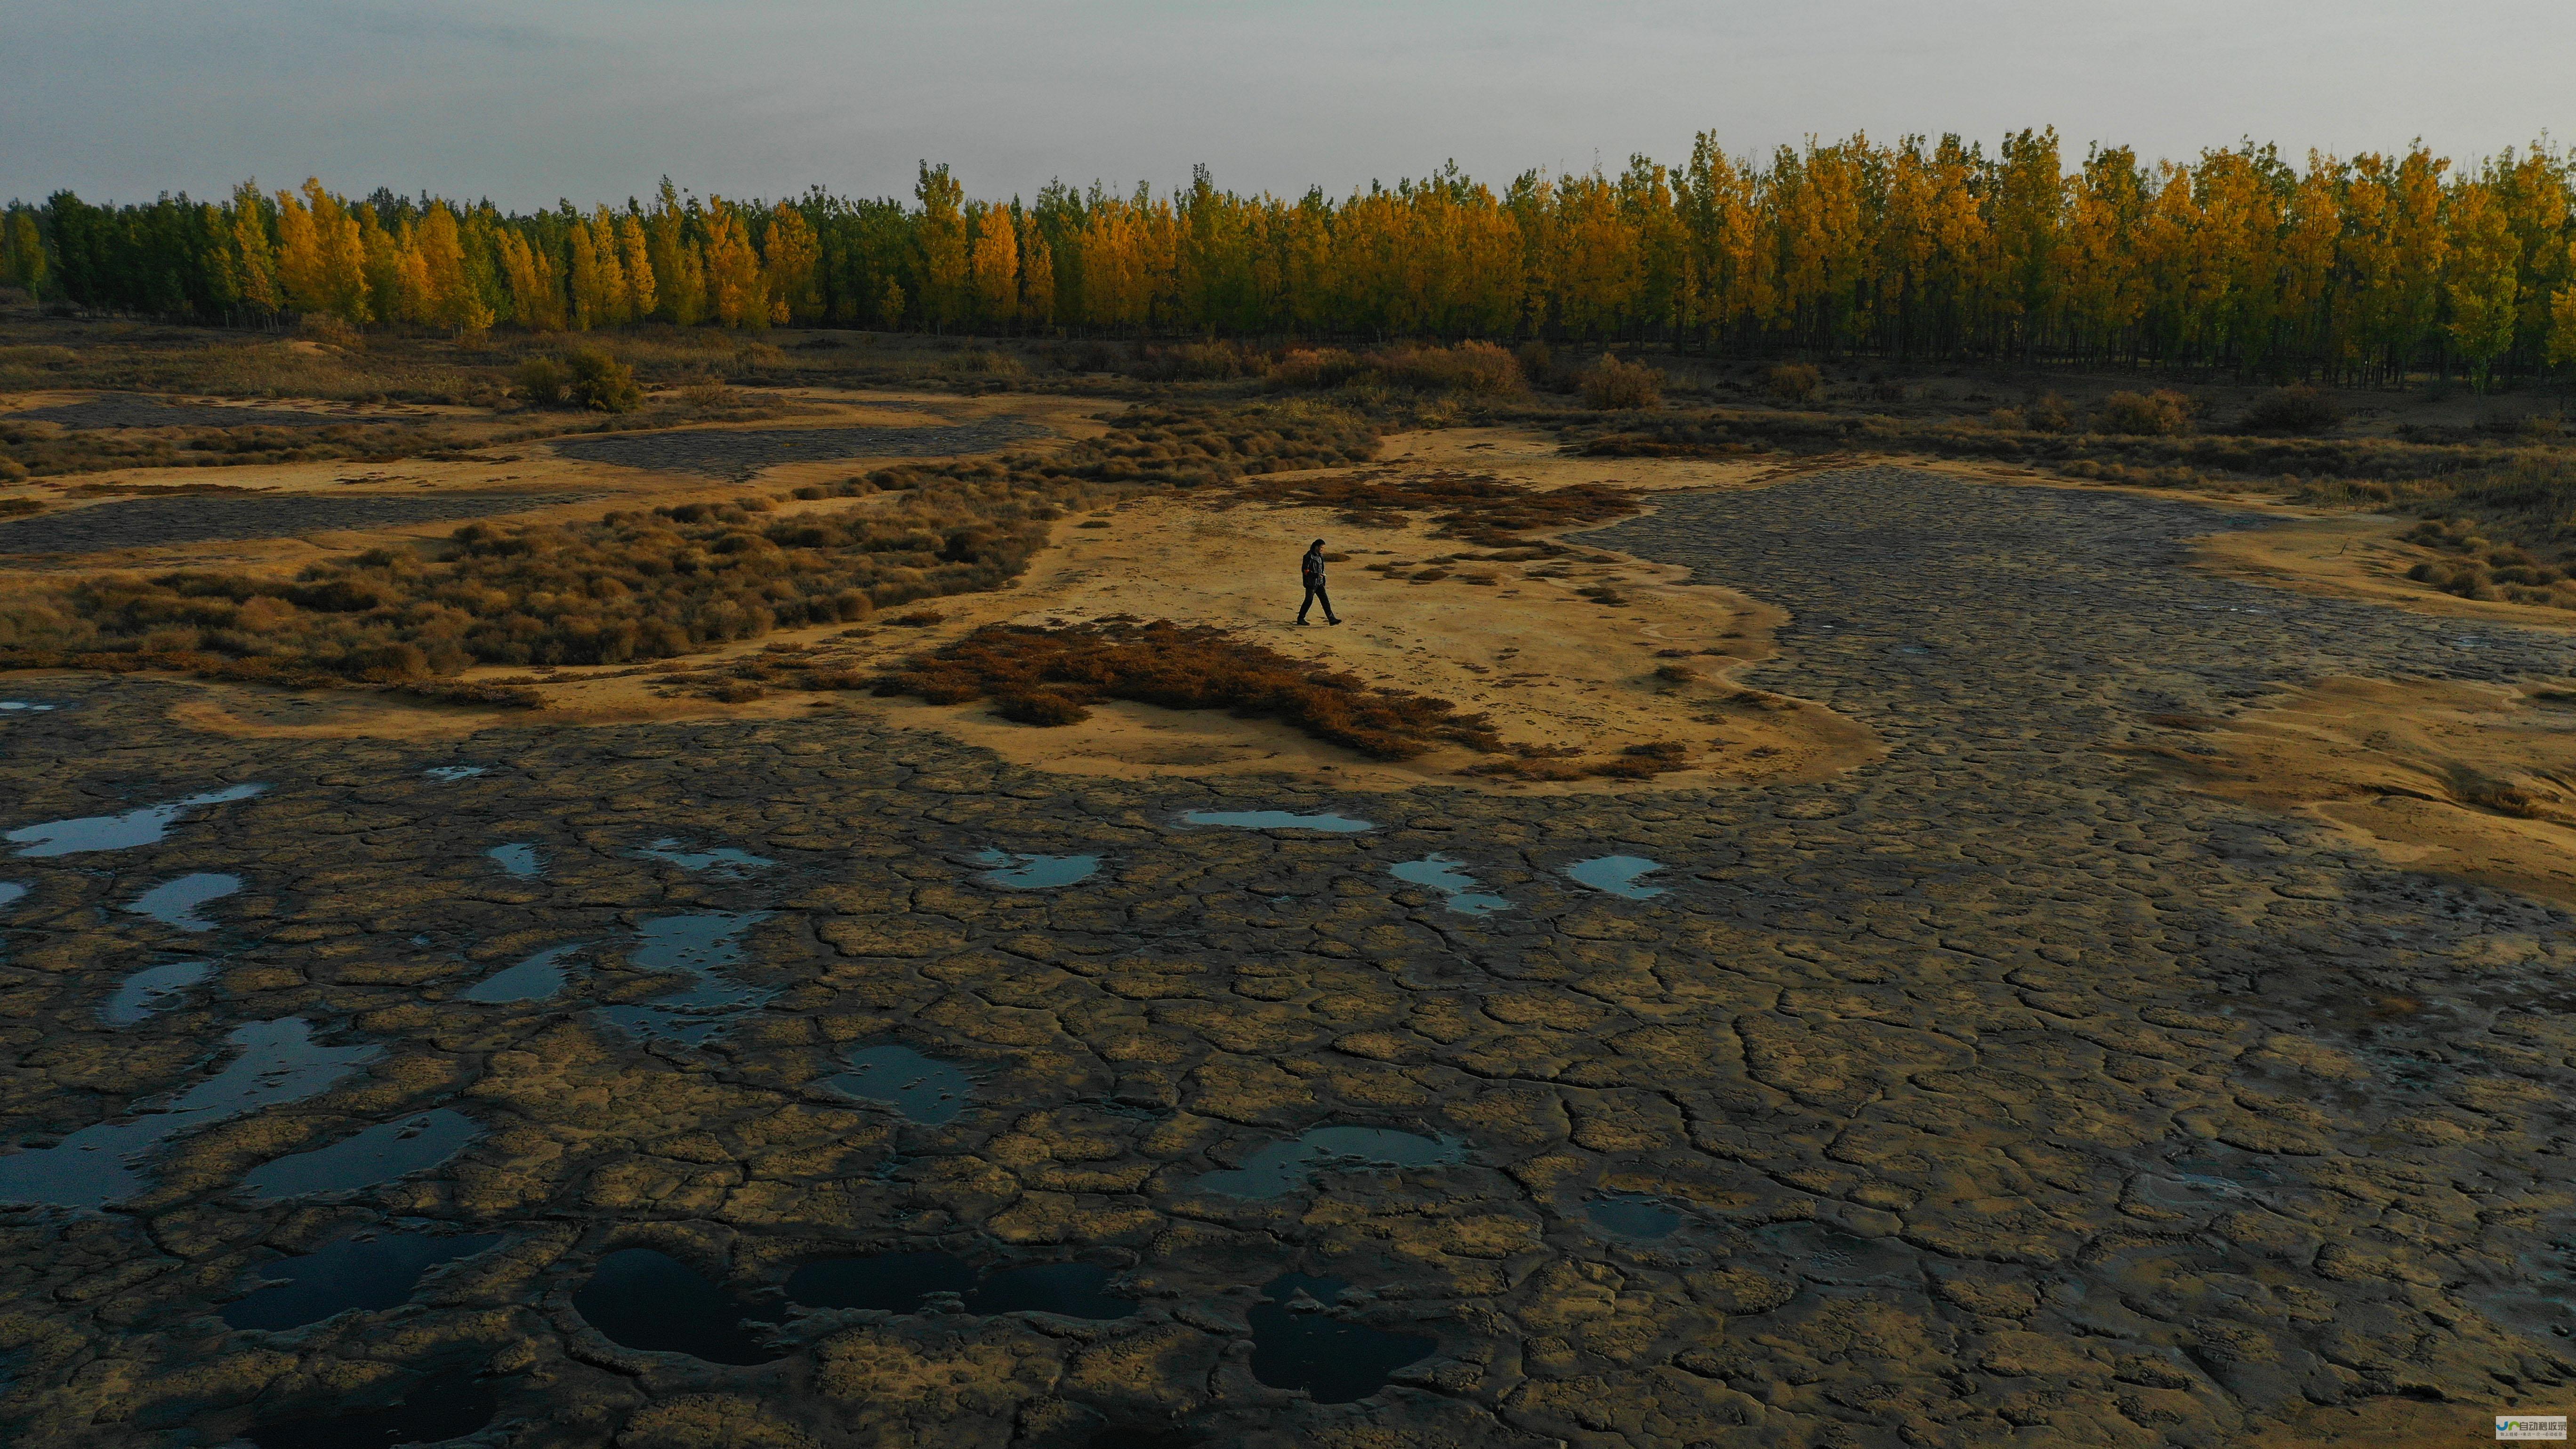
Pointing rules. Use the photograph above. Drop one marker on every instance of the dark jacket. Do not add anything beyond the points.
(1311, 569)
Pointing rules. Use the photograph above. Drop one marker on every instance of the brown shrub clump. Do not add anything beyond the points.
(1045, 676)
(1477, 368)
(1793, 382)
(2297, 408)
(2161, 413)
(1612, 385)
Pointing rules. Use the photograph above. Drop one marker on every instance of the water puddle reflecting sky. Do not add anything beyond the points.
(450, 774)
(538, 977)
(518, 859)
(696, 946)
(1296, 1344)
(904, 1282)
(1277, 820)
(10, 890)
(1625, 1216)
(174, 903)
(1620, 875)
(379, 1154)
(652, 1302)
(1285, 1167)
(723, 861)
(369, 1274)
(279, 1062)
(1440, 873)
(1013, 871)
(444, 1406)
(146, 825)
(152, 990)
(923, 1089)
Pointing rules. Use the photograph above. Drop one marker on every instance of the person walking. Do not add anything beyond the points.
(1311, 569)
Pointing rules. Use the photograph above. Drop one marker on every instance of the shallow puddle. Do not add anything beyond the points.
(1620, 875)
(652, 1302)
(893, 1282)
(1830, 1255)
(1285, 1167)
(903, 1282)
(1277, 820)
(10, 890)
(1440, 873)
(152, 990)
(12, 706)
(1067, 1290)
(520, 860)
(378, 1154)
(696, 946)
(1013, 871)
(724, 861)
(447, 1406)
(279, 1062)
(367, 1274)
(924, 1089)
(144, 826)
(450, 774)
(534, 979)
(174, 903)
(1633, 1217)
(1296, 1345)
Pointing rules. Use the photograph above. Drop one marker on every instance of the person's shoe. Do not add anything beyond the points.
(1301, 623)
(1332, 621)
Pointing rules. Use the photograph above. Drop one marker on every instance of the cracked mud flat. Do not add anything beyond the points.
(1999, 1087)
(740, 452)
(154, 522)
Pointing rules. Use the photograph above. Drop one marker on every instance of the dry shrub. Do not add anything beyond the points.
(1793, 382)
(2161, 413)
(543, 381)
(1476, 368)
(585, 378)
(2050, 415)
(1200, 362)
(1479, 368)
(1610, 385)
(330, 331)
(2298, 408)
(983, 362)
(1046, 676)
(1310, 368)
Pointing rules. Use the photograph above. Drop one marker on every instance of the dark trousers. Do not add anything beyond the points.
(1315, 595)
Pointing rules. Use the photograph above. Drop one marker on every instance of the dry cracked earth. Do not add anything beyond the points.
(1994, 1090)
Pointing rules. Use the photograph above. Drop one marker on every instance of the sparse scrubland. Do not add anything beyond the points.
(651, 583)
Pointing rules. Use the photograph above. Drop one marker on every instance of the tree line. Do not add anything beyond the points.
(2354, 270)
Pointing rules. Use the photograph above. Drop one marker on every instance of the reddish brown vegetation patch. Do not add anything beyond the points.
(1047, 677)
(1476, 508)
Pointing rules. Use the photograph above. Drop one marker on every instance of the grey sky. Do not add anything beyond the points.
(595, 99)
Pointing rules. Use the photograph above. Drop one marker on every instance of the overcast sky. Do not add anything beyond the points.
(526, 101)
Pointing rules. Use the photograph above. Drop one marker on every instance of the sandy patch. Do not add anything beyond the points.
(2466, 780)
(1644, 658)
